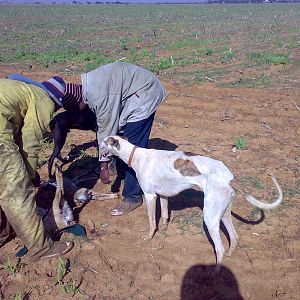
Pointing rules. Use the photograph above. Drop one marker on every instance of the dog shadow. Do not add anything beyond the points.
(200, 282)
(191, 199)
(160, 144)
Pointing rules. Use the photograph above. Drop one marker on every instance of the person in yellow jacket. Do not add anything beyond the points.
(26, 108)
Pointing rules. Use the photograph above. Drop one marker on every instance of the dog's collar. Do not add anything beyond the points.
(131, 156)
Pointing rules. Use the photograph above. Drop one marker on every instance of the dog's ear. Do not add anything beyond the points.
(116, 144)
(113, 142)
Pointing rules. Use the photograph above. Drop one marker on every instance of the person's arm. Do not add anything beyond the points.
(36, 121)
(108, 124)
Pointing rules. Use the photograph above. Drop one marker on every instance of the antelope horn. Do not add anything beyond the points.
(59, 201)
(97, 196)
(59, 194)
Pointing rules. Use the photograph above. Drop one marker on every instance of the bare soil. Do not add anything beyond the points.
(114, 262)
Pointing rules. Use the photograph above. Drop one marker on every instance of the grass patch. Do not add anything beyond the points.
(71, 287)
(187, 222)
(21, 295)
(291, 190)
(81, 38)
(62, 269)
(240, 143)
(205, 52)
(227, 56)
(162, 64)
(250, 181)
(260, 81)
(47, 148)
(269, 58)
(10, 267)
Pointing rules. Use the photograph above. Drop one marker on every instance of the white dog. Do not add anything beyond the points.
(167, 173)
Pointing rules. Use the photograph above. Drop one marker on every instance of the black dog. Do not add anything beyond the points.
(61, 124)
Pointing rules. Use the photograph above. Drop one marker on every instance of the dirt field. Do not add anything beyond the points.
(115, 263)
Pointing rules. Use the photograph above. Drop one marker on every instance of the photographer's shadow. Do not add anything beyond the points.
(200, 282)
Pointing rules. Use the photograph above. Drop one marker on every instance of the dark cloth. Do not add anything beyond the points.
(6, 231)
(138, 134)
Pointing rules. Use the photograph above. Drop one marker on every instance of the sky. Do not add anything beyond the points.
(84, 1)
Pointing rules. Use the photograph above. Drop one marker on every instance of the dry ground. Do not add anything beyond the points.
(115, 263)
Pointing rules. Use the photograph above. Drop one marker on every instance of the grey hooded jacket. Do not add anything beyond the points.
(120, 93)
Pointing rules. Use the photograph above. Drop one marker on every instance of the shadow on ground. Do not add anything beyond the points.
(200, 282)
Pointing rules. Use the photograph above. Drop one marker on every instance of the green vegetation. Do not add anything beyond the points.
(268, 58)
(71, 287)
(21, 295)
(240, 143)
(261, 80)
(163, 38)
(250, 181)
(10, 267)
(62, 269)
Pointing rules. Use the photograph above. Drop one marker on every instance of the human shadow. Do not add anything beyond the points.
(200, 282)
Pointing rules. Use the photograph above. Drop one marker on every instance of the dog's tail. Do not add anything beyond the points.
(262, 205)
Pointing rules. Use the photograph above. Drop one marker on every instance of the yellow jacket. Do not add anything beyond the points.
(25, 113)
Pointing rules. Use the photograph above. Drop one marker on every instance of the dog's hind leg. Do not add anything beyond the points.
(227, 221)
(213, 211)
(164, 211)
(151, 207)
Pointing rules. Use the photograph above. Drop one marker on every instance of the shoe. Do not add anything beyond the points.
(58, 248)
(125, 207)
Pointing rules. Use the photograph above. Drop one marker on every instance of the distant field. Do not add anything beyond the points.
(232, 45)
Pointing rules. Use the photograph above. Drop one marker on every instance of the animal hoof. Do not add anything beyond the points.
(149, 236)
(146, 237)
(164, 228)
(217, 270)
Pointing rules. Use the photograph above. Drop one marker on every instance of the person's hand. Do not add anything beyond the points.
(36, 181)
(104, 172)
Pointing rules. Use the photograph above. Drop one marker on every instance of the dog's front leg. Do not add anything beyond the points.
(164, 211)
(151, 207)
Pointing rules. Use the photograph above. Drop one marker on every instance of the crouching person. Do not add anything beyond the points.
(26, 108)
(124, 98)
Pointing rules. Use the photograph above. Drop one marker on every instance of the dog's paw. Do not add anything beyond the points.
(164, 228)
(149, 236)
(146, 237)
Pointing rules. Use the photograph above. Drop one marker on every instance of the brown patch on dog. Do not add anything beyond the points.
(186, 167)
(190, 154)
(197, 188)
(113, 142)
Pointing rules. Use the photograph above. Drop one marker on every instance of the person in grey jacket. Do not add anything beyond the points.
(124, 97)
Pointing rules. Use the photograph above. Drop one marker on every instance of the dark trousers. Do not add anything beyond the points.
(138, 134)
(6, 231)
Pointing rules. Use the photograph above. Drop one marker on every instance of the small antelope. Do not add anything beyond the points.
(60, 215)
